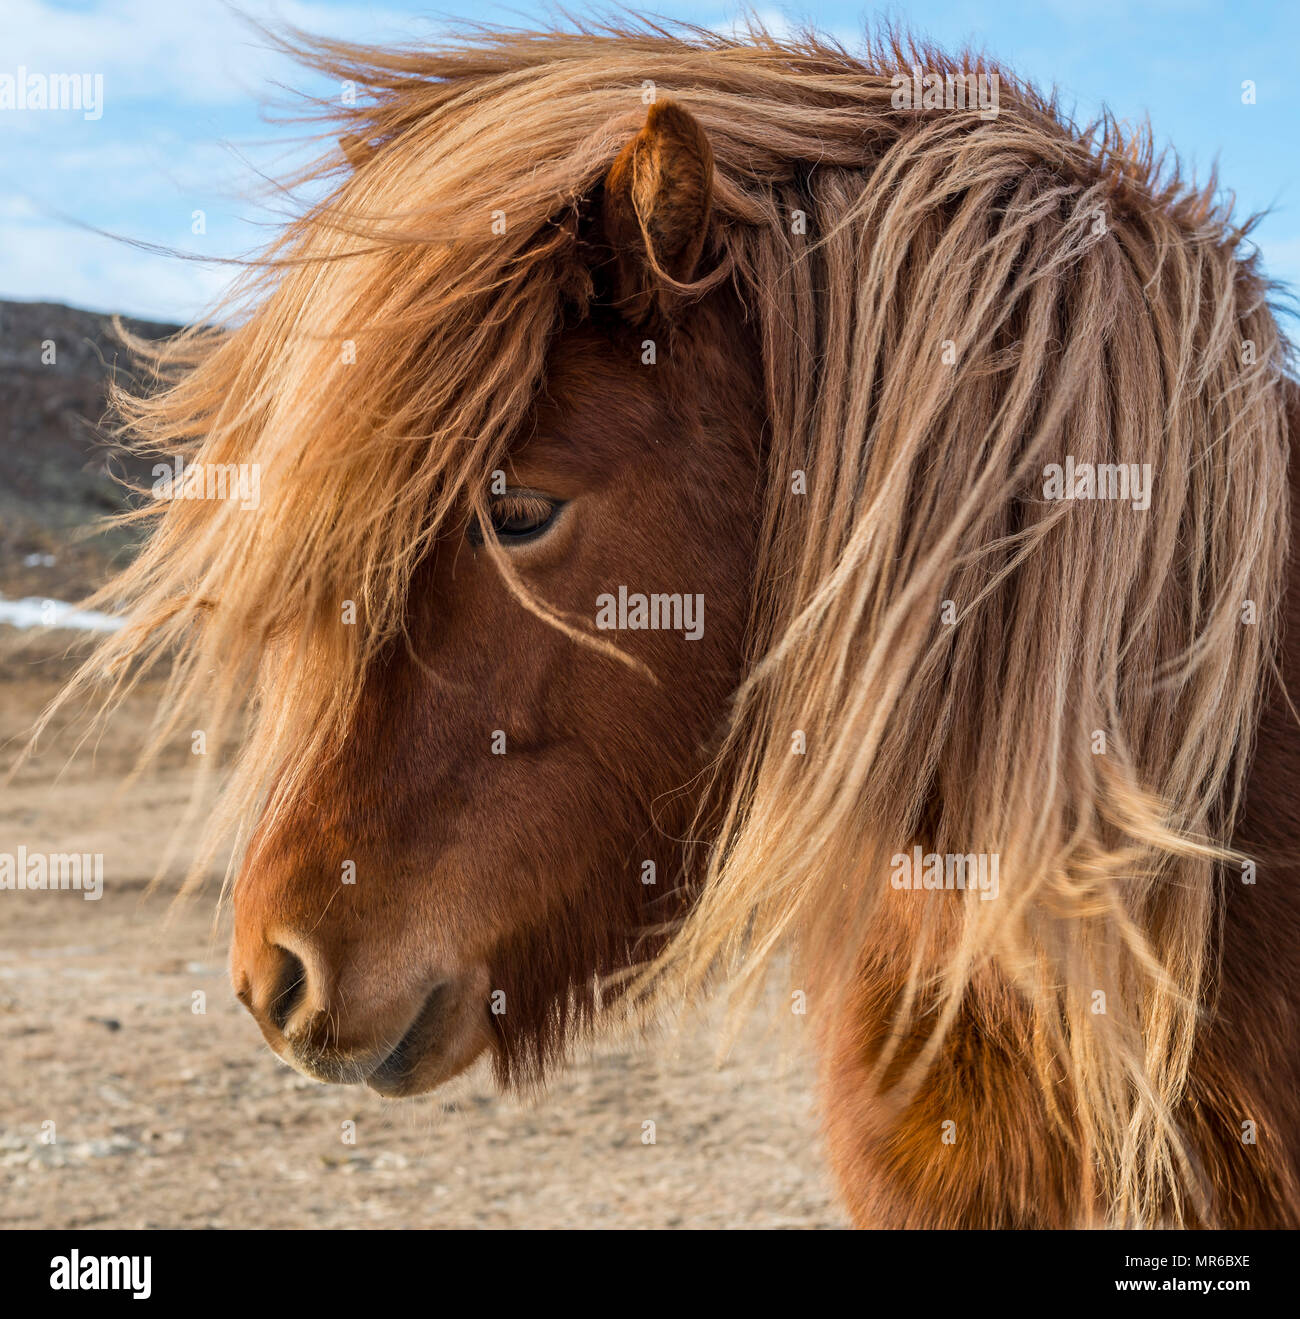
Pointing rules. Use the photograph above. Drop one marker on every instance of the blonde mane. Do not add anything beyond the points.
(973, 299)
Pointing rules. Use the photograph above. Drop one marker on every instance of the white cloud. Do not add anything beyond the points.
(183, 82)
(195, 53)
(48, 262)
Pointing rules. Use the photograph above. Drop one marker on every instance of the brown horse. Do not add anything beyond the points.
(729, 498)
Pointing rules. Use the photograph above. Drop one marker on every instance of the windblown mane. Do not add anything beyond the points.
(972, 300)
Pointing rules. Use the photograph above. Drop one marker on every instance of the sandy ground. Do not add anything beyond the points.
(167, 1117)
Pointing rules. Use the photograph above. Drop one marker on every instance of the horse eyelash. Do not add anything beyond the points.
(515, 503)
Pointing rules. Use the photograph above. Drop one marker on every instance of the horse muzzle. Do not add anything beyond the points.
(403, 1040)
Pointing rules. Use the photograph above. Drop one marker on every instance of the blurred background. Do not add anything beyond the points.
(165, 1115)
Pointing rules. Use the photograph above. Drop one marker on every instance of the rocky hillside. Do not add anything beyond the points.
(57, 464)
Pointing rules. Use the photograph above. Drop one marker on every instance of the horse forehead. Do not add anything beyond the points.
(587, 371)
(597, 400)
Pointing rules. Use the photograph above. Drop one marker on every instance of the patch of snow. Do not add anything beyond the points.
(35, 612)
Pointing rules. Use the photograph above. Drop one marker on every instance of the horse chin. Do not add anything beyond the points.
(426, 1076)
(449, 1034)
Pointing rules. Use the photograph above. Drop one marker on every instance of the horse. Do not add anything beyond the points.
(732, 509)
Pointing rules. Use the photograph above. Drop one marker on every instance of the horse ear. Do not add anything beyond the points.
(655, 210)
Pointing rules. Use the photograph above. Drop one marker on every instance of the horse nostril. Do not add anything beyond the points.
(290, 986)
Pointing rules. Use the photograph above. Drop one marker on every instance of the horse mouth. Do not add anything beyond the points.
(447, 1035)
(448, 1030)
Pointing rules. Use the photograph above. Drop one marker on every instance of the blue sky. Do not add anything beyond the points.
(185, 82)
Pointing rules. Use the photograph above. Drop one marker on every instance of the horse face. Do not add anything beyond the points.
(507, 815)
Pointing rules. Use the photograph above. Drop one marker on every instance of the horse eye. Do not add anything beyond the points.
(518, 516)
